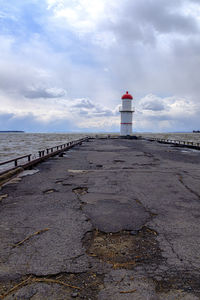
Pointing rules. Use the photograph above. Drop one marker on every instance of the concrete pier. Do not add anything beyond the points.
(112, 219)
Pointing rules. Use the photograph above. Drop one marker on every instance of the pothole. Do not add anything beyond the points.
(49, 191)
(99, 166)
(59, 181)
(3, 196)
(124, 249)
(80, 190)
(62, 154)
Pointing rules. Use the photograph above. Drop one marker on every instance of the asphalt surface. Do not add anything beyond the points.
(112, 218)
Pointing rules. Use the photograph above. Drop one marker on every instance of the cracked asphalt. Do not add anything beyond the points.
(113, 218)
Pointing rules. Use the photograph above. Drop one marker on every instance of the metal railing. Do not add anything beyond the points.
(15, 160)
(55, 148)
(42, 155)
(176, 143)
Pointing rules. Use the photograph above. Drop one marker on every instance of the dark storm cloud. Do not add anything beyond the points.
(157, 50)
(144, 20)
(164, 16)
(183, 68)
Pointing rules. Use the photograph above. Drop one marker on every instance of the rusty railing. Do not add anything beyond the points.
(188, 144)
(42, 155)
(15, 160)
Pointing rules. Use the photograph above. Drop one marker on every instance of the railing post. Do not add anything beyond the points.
(43, 153)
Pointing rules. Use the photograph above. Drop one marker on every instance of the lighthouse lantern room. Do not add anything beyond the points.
(126, 111)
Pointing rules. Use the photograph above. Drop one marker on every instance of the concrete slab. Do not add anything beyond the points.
(112, 216)
(119, 218)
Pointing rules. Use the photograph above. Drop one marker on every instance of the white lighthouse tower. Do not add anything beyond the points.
(126, 111)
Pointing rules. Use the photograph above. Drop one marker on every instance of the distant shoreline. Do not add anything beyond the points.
(11, 131)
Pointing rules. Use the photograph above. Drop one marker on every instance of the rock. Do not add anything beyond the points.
(134, 232)
(74, 295)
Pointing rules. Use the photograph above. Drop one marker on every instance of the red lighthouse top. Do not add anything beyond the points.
(127, 96)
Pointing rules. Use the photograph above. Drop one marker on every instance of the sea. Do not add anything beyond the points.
(13, 145)
(179, 136)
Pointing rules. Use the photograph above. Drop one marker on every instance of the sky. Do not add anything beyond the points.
(64, 64)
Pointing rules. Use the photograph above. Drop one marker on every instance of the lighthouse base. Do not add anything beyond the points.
(126, 129)
(129, 137)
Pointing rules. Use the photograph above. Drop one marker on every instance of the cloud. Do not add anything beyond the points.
(88, 108)
(83, 103)
(82, 16)
(79, 114)
(129, 21)
(176, 114)
(95, 51)
(30, 123)
(44, 93)
(164, 16)
(153, 103)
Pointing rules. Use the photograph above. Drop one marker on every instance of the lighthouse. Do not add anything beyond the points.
(126, 111)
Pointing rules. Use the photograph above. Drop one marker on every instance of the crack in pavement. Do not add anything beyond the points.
(172, 248)
(105, 198)
(187, 187)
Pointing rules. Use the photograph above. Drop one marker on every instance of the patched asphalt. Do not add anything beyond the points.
(115, 218)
